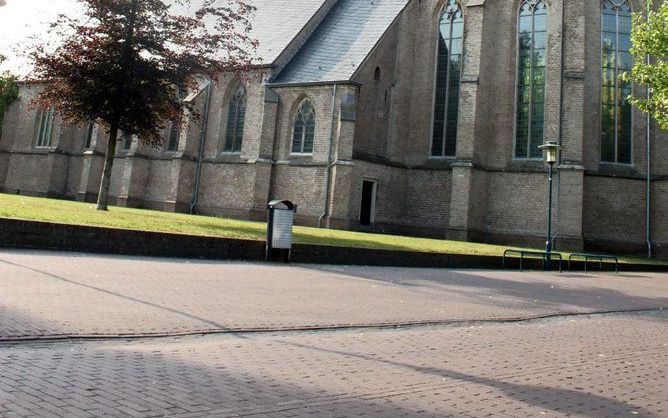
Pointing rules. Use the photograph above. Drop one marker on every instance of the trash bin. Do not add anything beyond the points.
(280, 219)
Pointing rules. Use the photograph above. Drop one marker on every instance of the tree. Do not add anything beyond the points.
(9, 91)
(123, 63)
(650, 39)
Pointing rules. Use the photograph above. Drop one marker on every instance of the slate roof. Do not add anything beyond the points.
(343, 40)
(277, 22)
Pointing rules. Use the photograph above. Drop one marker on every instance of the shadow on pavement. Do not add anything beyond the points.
(564, 401)
(493, 291)
(119, 295)
(125, 381)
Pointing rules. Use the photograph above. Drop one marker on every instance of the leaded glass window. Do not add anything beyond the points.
(616, 110)
(448, 77)
(127, 141)
(174, 134)
(90, 130)
(303, 132)
(45, 132)
(236, 116)
(531, 60)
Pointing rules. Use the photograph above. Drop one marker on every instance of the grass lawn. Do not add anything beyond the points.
(68, 212)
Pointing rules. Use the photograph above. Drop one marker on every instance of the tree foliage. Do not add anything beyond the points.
(650, 38)
(121, 63)
(9, 91)
(124, 62)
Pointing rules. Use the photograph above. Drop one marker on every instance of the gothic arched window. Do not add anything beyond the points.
(236, 116)
(174, 133)
(45, 132)
(448, 77)
(303, 132)
(616, 110)
(531, 60)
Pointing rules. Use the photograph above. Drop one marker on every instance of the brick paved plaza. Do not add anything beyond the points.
(460, 348)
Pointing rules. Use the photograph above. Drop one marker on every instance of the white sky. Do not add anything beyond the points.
(19, 19)
(22, 19)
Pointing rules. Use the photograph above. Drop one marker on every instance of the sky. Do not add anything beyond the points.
(20, 19)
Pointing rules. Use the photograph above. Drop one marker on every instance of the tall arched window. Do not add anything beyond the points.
(45, 132)
(174, 133)
(90, 132)
(236, 115)
(127, 141)
(616, 110)
(303, 132)
(448, 77)
(531, 60)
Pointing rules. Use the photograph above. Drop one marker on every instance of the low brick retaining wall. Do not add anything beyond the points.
(51, 236)
(16, 233)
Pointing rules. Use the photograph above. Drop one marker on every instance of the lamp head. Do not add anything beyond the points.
(550, 151)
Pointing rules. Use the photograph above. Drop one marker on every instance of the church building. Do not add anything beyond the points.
(420, 117)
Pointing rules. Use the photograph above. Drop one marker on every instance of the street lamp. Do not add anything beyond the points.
(550, 155)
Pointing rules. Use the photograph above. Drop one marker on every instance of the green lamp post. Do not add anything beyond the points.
(550, 155)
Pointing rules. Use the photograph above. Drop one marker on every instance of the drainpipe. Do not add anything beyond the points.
(648, 231)
(561, 120)
(328, 169)
(649, 185)
(200, 152)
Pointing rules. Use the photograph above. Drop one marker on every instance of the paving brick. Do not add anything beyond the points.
(65, 294)
(600, 365)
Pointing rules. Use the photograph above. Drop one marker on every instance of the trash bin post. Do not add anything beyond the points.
(270, 228)
(280, 219)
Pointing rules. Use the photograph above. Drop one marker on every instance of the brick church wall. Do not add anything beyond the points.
(483, 193)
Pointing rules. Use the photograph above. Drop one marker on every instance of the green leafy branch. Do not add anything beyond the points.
(650, 39)
(9, 91)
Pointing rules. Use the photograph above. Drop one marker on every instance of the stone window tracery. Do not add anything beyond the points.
(303, 132)
(448, 77)
(531, 63)
(236, 116)
(616, 110)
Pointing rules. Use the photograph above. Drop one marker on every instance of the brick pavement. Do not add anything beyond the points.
(64, 294)
(592, 366)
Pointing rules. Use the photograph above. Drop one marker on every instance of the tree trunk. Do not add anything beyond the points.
(103, 196)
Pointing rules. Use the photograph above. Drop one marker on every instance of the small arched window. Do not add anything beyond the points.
(303, 132)
(236, 116)
(531, 61)
(376, 74)
(616, 111)
(448, 77)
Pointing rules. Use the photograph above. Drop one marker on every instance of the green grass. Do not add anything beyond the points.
(68, 212)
